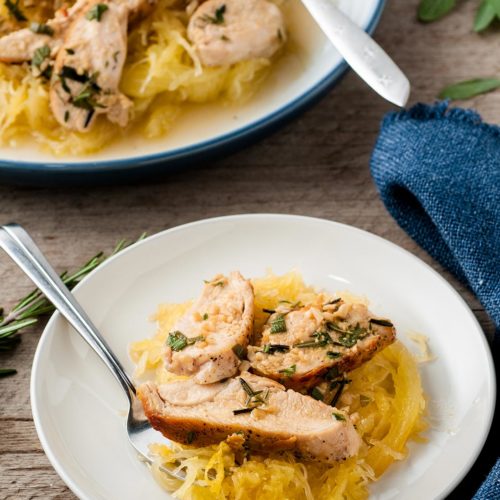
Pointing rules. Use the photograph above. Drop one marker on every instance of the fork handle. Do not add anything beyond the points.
(21, 248)
(361, 52)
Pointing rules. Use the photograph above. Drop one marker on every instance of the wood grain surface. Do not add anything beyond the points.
(318, 165)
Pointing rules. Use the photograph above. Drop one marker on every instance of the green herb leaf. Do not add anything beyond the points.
(14, 10)
(40, 55)
(5, 372)
(432, 10)
(288, 372)
(239, 350)
(242, 410)
(190, 437)
(338, 416)
(205, 316)
(177, 341)
(273, 348)
(218, 17)
(278, 324)
(317, 394)
(381, 322)
(246, 387)
(333, 355)
(269, 311)
(96, 12)
(484, 16)
(41, 29)
(470, 88)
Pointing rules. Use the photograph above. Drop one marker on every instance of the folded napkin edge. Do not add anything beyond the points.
(440, 110)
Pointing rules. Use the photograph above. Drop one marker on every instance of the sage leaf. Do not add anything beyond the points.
(470, 88)
(432, 10)
(484, 16)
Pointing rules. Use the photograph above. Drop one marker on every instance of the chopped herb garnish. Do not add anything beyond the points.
(38, 62)
(190, 437)
(14, 10)
(66, 116)
(246, 387)
(333, 355)
(218, 17)
(321, 339)
(348, 338)
(332, 373)
(338, 416)
(205, 316)
(243, 410)
(273, 348)
(381, 322)
(216, 283)
(317, 394)
(177, 341)
(86, 96)
(40, 55)
(70, 51)
(255, 398)
(364, 400)
(341, 384)
(96, 12)
(239, 350)
(288, 372)
(278, 324)
(269, 311)
(42, 29)
(115, 56)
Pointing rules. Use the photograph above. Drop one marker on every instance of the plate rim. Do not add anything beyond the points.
(59, 467)
(269, 121)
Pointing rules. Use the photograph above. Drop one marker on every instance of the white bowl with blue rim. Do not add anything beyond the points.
(299, 78)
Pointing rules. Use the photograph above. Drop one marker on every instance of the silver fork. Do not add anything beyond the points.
(20, 247)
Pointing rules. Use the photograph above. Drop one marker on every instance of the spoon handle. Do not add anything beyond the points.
(361, 52)
(21, 248)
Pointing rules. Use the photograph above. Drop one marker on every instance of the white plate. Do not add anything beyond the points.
(299, 78)
(78, 407)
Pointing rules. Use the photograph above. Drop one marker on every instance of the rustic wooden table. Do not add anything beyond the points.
(317, 165)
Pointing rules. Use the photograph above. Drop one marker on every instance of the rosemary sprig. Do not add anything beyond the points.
(29, 309)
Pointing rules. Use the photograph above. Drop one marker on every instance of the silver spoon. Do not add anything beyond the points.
(24, 252)
(361, 52)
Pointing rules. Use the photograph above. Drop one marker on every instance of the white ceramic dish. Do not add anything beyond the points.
(78, 407)
(299, 78)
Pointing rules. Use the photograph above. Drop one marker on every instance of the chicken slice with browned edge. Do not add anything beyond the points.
(303, 346)
(210, 338)
(268, 417)
(228, 31)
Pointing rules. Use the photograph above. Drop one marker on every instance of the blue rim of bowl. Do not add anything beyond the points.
(201, 148)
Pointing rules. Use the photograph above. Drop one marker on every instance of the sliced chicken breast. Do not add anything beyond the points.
(20, 46)
(228, 31)
(89, 44)
(269, 418)
(302, 347)
(210, 338)
(88, 69)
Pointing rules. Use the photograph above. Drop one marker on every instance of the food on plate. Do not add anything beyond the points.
(249, 436)
(319, 339)
(226, 33)
(208, 340)
(76, 77)
(259, 410)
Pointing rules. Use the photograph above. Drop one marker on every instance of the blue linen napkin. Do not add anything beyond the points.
(438, 173)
